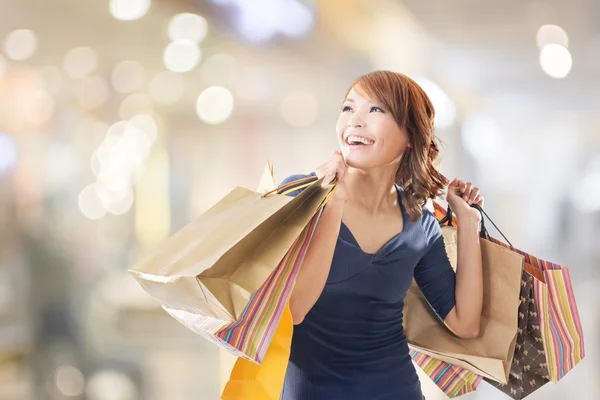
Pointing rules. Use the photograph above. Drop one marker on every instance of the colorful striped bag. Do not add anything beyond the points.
(550, 339)
(228, 275)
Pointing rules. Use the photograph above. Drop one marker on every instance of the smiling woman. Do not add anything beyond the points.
(373, 238)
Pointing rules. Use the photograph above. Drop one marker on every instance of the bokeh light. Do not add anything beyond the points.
(556, 61)
(214, 105)
(182, 56)
(551, 34)
(80, 62)
(134, 104)
(129, 10)
(128, 76)
(188, 26)
(20, 44)
(482, 137)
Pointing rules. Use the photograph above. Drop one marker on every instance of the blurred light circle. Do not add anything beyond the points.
(556, 61)
(109, 384)
(182, 56)
(147, 124)
(8, 153)
(551, 34)
(120, 201)
(187, 26)
(3, 66)
(80, 62)
(20, 44)
(69, 381)
(219, 69)
(128, 76)
(129, 10)
(166, 87)
(91, 92)
(482, 137)
(90, 203)
(214, 105)
(42, 108)
(445, 110)
(52, 77)
(299, 108)
(259, 20)
(134, 104)
(296, 19)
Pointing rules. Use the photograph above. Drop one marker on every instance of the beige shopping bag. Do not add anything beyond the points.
(213, 265)
(491, 353)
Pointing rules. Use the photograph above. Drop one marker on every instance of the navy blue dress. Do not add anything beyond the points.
(351, 344)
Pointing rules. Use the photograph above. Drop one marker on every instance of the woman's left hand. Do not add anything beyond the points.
(461, 195)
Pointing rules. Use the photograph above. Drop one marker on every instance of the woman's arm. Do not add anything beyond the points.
(317, 262)
(464, 319)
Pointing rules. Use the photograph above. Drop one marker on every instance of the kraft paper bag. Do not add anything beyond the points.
(490, 354)
(214, 265)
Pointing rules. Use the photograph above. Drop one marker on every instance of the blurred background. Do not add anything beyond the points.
(122, 120)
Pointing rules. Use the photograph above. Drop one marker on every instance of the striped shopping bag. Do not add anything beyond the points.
(550, 337)
(249, 337)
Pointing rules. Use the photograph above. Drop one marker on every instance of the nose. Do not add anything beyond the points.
(356, 122)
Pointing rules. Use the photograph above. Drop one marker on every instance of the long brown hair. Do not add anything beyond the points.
(414, 113)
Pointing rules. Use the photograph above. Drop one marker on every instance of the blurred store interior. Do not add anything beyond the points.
(122, 120)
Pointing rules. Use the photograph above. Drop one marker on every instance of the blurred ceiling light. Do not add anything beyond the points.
(445, 110)
(219, 69)
(296, 19)
(52, 77)
(116, 201)
(90, 203)
(91, 92)
(482, 137)
(128, 76)
(182, 56)
(214, 105)
(551, 34)
(69, 381)
(187, 26)
(109, 384)
(3, 66)
(80, 62)
(8, 153)
(299, 108)
(41, 109)
(20, 44)
(556, 61)
(259, 20)
(129, 10)
(166, 87)
(135, 104)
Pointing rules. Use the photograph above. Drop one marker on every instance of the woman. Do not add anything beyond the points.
(374, 236)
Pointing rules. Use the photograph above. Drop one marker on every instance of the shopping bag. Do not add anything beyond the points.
(250, 381)
(208, 274)
(490, 354)
(550, 338)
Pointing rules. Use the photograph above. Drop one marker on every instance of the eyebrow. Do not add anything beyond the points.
(352, 101)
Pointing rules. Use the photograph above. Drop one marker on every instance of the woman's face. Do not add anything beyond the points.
(384, 141)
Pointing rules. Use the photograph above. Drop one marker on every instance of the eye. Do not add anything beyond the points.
(346, 108)
(377, 109)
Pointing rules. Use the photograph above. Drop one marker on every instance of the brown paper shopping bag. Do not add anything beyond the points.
(490, 354)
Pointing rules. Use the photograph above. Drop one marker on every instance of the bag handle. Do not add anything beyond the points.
(484, 232)
(298, 184)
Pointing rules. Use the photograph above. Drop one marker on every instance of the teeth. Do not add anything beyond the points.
(353, 139)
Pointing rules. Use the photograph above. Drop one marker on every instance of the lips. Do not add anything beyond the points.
(358, 140)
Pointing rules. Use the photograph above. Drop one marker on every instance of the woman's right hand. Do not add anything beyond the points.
(335, 167)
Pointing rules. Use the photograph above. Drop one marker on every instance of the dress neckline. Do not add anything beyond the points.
(405, 219)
